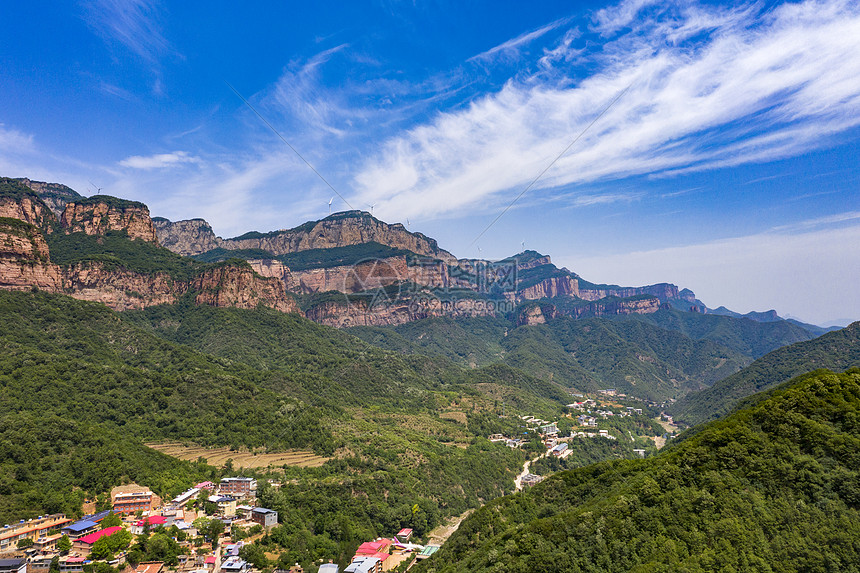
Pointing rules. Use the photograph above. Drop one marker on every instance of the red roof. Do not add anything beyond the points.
(152, 520)
(210, 559)
(93, 537)
(370, 548)
(404, 531)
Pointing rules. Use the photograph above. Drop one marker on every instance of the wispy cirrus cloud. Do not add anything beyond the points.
(510, 49)
(708, 87)
(12, 140)
(160, 160)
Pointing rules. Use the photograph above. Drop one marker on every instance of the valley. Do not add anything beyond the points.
(371, 383)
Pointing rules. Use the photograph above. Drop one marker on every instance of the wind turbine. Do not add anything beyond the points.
(97, 188)
(523, 245)
(329, 205)
(407, 223)
(371, 208)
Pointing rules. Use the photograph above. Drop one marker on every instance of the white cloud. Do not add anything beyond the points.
(159, 161)
(510, 49)
(757, 272)
(750, 87)
(132, 23)
(14, 141)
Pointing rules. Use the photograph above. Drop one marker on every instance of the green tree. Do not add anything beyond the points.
(24, 543)
(255, 555)
(64, 544)
(111, 520)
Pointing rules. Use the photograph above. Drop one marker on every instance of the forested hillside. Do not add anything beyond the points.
(656, 356)
(774, 487)
(82, 387)
(836, 350)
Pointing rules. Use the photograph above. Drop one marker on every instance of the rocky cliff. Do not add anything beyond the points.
(99, 214)
(338, 230)
(346, 312)
(191, 237)
(368, 275)
(29, 209)
(540, 313)
(55, 195)
(25, 263)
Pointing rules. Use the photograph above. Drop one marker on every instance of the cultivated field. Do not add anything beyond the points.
(241, 459)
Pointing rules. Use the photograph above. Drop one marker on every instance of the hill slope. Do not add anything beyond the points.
(774, 487)
(836, 350)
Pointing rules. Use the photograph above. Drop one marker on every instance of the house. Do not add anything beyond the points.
(41, 562)
(85, 543)
(226, 504)
(80, 528)
(149, 567)
(148, 523)
(234, 565)
(548, 429)
(530, 480)
(244, 511)
(265, 517)
(207, 485)
(33, 529)
(210, 561)
(184, 497)
(71, 564)
(374, 547)
(328, 568)
(559, 449)
(362, 564)
(238, 487)
(404, 535)
(640, 452)
(47, 543)
(13, 566)
(132, 501)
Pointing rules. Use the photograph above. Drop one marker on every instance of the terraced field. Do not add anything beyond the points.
(241, 459)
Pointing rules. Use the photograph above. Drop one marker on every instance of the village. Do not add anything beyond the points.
(584, 417)
(99, 542)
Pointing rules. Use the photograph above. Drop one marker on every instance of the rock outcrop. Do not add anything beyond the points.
(541, 313)
(25, 264)
(339, 230)
(348, 311)
(99, 214)
(190, 237)
(55, 195)
(29, 209)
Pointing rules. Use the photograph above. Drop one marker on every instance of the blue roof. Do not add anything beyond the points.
(97, 517)
(263, 510)
(81, 525)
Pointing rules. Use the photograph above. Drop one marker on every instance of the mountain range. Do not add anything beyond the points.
(122, 330)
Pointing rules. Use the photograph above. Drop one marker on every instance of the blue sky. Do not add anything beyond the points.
(728, 162)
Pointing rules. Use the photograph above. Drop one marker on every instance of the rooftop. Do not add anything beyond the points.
(95, 536)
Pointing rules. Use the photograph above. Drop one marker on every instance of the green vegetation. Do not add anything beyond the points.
(838, 350)
(115, 250)
(311, 258)
(774, 487)
(219, 254)
(14, 189)
(751, 338)
(111, 201)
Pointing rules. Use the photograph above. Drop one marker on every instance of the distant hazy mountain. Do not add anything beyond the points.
(836, 350)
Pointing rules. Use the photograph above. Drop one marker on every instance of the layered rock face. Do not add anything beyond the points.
(25, 263)
(229, 286)
(27, 209)
(347, 312)
(369, 275)
(55, 195)
(95, 217)
(339, 230)
(191, 237)
(539, 314)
